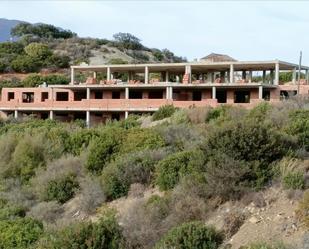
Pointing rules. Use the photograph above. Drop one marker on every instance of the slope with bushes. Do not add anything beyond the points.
(63, 181)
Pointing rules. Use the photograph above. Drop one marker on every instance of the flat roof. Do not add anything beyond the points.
(202, 65)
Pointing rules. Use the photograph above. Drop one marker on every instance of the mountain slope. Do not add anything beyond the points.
(5, 28)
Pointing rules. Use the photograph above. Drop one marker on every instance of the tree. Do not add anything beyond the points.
(38, 51)
(128, 41)
(24, 64)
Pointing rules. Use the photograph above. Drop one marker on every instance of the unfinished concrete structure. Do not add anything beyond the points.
(114, 91)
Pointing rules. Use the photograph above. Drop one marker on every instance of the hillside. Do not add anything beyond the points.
(203, 178)
(6, 27)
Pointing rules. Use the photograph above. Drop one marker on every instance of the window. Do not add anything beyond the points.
(116, 116)
(135, 94)
(221, 96)
(11, 95)
(62, 96)
(28, 97)
(78, 96)
(44, 96)
(196, 95)
(98, 95)
(242, 97)
(155, 95)
(116, 95)
(266, 95)
(287, 94)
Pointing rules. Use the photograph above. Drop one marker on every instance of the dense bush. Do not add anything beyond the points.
(38, 51)
(103, 148)
(163, 112)
(104, 234)
(171, 169)
(191, 235)
(24, 64)
(19, 233)
(128, 169)
(251, 142)
(299, 125)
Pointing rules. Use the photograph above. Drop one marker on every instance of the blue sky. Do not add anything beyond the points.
(246, 30)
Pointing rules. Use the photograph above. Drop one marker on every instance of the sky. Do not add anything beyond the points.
(245, 30)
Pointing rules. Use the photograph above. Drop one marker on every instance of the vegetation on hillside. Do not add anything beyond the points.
(199, 158)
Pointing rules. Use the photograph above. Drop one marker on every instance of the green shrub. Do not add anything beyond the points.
(19, 233)
(34, 80)
(25, 64)
(294, 180)
(102, 149)
(164, 112)
(298, 125)
(215, 113)
(104, 234)
(28, 156)
(10, 211)
(191, 235)
(38, 51)
(61, 189)
(126, 170)
(252, 142)
(79, 140)
(138, 139)
(58, 181)
(171, 169)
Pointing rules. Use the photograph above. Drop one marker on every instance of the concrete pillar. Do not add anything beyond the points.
(264, 76)
(307, 76)
(188, 71)
(16, 114)
(94, 75)
(231, 73)
(277, 73)
(108, 73)
(171, 92)
(294, 76)
(146, 75)
(72, 76)
(250, 76)
(260, 92)
(167, 94)
(88, 93)
(214, 92)
(88, 119)
(126, 114)
(127, 93)
(51, 115)
(166, 76)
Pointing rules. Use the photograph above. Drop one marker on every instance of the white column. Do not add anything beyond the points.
(126, 114)
(108, 73)
(260, 92)
(277, 74)
(88, 93)
(94, 75)
(127, 93)
(167, 94)
(294, 76)
(231, 73)
(146, 75)
(171, 92)
(88, 119)
(16, 114)
(188, 71)
(166, 76)
(250, 76)
(264, 76)
(51, 115)
(214, 92)
(72, 76)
